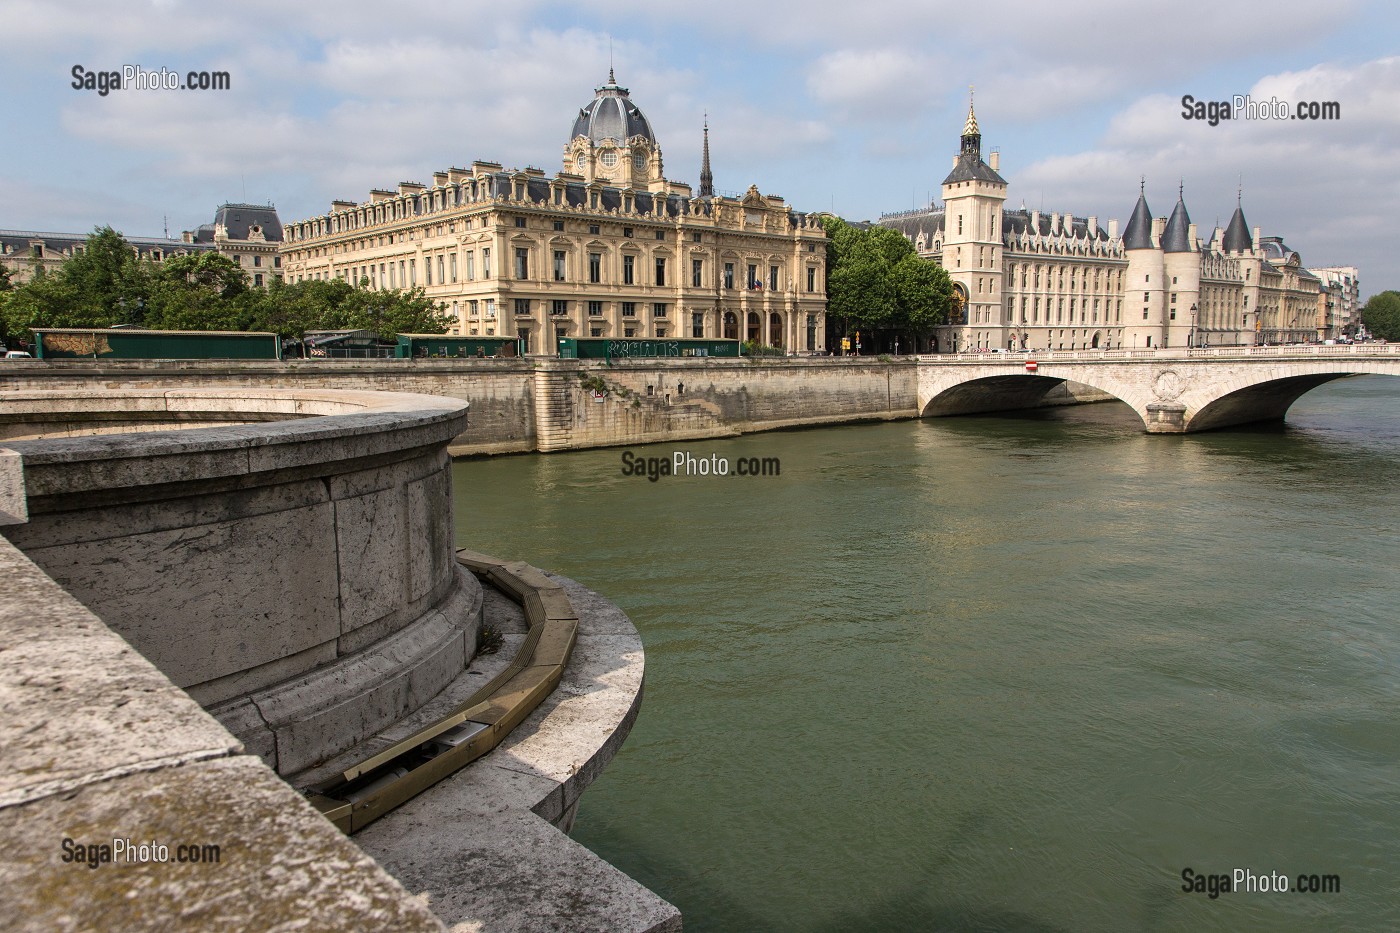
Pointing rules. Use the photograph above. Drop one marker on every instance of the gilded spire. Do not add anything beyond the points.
(970, 128)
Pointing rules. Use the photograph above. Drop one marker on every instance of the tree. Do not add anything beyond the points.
(5, 284)
(924, 295)
(877, 282)
(1381, 315)
(197, 292)
(102, 284)
(292, 310)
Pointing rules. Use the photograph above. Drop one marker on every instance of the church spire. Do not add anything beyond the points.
(707, 178)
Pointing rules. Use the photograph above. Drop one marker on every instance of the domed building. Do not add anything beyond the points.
(608, 247)
(612, 141)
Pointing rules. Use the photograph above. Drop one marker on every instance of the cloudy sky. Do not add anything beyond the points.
(854, 108)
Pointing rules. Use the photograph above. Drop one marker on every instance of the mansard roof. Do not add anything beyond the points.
(17, 241)
(1138, 233)
(1237, 236)
(1017, 222)
(1176, 238)
(237, 219)
(912, 224)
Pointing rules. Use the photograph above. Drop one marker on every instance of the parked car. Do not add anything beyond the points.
(17, 355)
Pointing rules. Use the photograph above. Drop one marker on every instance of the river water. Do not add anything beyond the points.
(997, 673)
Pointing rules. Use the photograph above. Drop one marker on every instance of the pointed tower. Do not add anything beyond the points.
(973, 197)
(1138, 233)
(1237, 238)
(1238, 243)
(1181, 261)
(707, 178)
(1144, 315)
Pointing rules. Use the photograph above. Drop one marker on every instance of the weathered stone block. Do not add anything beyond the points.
(207, 600)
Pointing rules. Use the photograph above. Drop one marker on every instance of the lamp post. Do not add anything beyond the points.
(1191, 338)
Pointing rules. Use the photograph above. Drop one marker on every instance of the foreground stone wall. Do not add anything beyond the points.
(115, 777)
(100, 746)
(297, 578)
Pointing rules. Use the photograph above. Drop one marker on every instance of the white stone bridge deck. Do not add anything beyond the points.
(1174, 391)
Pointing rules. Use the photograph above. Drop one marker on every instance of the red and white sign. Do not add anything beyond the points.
(1031, 366)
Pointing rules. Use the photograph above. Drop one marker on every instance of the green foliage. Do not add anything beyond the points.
(592, 383)
(5, 284)
(875, 280)
(754, 348)
(1381, 315)
(106, 284)
(489, 639)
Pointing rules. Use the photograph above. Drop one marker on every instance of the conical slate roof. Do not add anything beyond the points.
(1138, 233)
(1237, 237)
(1176, 239)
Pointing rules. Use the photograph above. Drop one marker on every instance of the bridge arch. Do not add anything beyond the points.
(1009, 391)
(1269, 396)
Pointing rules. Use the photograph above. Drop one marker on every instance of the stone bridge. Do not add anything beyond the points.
(1172, 391)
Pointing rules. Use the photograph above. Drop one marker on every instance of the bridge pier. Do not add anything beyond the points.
(1165, 418)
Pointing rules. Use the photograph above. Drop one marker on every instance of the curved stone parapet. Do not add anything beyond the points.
(100, 746)
(293, 572)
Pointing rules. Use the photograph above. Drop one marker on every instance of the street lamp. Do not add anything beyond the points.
(1191, 337)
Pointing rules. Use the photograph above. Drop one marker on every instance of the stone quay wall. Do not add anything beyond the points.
(520, 405)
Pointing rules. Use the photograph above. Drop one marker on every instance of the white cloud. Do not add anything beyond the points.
(1329, 188)
(872, 84)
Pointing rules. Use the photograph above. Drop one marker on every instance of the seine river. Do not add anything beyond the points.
(1012, 673)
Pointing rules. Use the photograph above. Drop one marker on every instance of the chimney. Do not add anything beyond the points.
(955, 161)
(994, 160)
(1113, 228)
(1093, 226)
(1191, 237)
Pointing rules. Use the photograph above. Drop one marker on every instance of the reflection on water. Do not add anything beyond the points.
(999, 672)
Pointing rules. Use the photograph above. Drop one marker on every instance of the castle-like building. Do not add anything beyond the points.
(608, 247)
(1035, 280)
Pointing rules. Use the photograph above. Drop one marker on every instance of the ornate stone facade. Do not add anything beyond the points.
(609, 247)
(1037, 280)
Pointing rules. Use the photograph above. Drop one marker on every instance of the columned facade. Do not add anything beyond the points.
(607, 248)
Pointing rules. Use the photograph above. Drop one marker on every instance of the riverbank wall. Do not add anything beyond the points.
(541, 404)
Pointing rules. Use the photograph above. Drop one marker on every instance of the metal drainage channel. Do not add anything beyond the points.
(363, 793)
